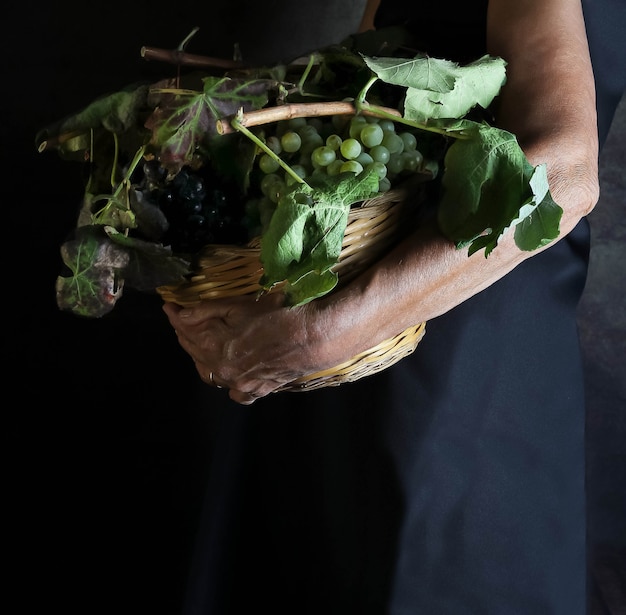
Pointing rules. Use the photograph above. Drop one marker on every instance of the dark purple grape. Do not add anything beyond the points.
(200, 207)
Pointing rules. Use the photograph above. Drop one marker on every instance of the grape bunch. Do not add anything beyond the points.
(334, 145)
(200, 208)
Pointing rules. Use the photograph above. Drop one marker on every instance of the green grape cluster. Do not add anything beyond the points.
(331, 145)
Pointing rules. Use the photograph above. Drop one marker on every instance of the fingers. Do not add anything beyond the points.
(245, 399)
(210, 377)
(241, 389)
(178, 315)
(232, 347)
(249, 396)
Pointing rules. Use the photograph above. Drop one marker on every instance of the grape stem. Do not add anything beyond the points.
(237, 125)
(184, 42)
(123, 185)
(288, 111)
(305, 73)
(182, 58)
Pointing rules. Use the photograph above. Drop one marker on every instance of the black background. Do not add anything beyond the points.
(109, 429)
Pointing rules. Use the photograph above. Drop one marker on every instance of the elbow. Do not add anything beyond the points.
(575, 186)
(589, 197)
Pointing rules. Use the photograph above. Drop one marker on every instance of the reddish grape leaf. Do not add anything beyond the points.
(184, 121)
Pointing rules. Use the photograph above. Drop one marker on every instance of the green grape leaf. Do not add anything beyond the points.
(489, 186)
(437, 88)
(184, 121)
(118, 113)
(538, 222)
(421, 72)
(114, 210)
(305, 234)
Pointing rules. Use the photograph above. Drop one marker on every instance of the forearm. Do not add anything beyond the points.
(549, 103)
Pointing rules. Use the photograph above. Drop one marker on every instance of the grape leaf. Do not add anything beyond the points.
(305, 234)
(100, 260)
(489, 186)
(149, 264)
(420, 72)
(148, 216)
(438, 88)
(184, 120)
(538, 222)
(95, 264)
(118, 112)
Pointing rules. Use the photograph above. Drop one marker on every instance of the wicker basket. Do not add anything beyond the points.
(373, 227)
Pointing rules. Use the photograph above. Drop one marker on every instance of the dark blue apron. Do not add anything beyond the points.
(451, 483)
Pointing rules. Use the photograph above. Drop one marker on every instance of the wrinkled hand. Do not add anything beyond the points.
(252, 347)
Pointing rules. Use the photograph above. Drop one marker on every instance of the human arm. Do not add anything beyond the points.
(548, 102)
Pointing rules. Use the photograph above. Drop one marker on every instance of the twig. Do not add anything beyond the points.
(58, 140)
(293, 110)
(181, 58)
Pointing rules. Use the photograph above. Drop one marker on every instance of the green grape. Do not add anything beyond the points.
(316, 123)
(387, 125)
(323, 155)
(304, 160)
(393, 142)
(267, 164)
(311, 142)
(380, 153)
(295, 123)
(277, 189)
(299, 170)
(364, 159)
(380, 168)
(412, 160)
(334, 141)
(395, 164)
(291, 142)
(409, 140)
(334, 168)
(384, 185)
(267, 181)
(307, 131)
(371, 135)
(273, 142)
(432, 166)
(356, 125)
(351, 166)
(350, 149)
